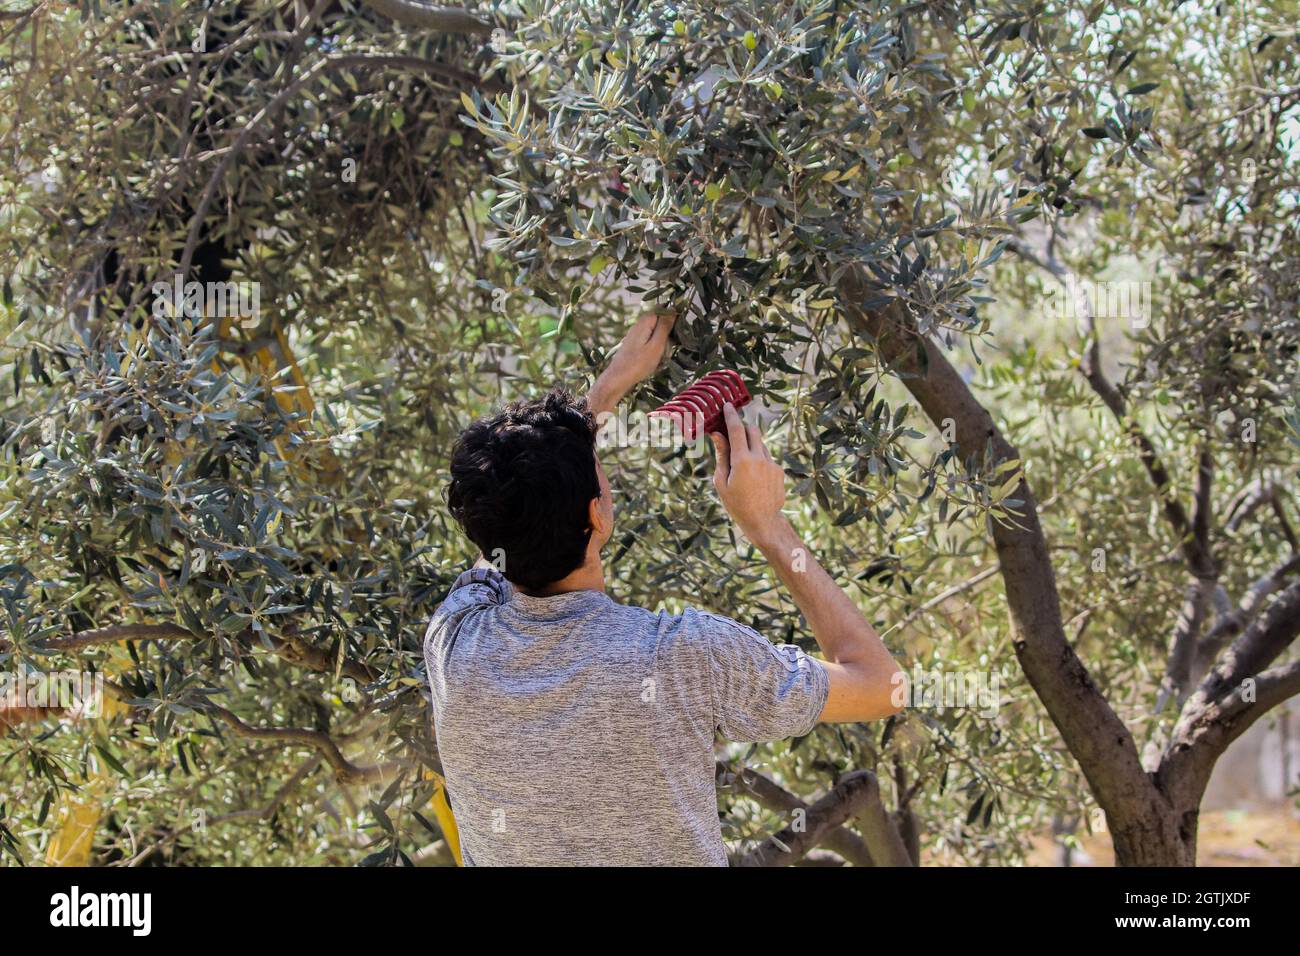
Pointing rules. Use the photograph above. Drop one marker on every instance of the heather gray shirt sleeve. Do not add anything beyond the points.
(760, 690)
(472, 590)
(475, 587)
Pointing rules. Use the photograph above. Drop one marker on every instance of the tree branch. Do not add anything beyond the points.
(1230, 625)
(344, 769)
(1200, 740)
(1090, 365)
(855, 795)
(1201, 503)
(1273, 687)
(277, 103)
(1095, 735)
(948, 593)
(118, 632)
(1246, 502)
(1249, 500)
(1193, 532)
(291, 647)
(767, 793)
(413, 13)
(273, 106)
(1280, 512)
(1259, 644)
(417, 64)
(1182, 648)
(1218, 712)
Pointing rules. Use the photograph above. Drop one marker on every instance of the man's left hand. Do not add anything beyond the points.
(634, 361)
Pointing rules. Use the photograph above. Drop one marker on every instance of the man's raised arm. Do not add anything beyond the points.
(865, 682)
(635, 360)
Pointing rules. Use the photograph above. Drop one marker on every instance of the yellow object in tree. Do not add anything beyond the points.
(78, 820)
(295, 398)
(79, 813)
(442, 810)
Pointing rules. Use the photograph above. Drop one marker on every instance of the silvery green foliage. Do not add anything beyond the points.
(432, 243)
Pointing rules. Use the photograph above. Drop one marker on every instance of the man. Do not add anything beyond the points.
(577, 730)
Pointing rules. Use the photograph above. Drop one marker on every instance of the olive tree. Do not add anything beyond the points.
(1015, 287)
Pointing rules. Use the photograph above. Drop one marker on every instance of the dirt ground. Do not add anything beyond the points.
(1268, 837)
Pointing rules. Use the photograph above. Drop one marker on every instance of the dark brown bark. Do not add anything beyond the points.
(429, 16)
(1145, 828)
(767, 793)
(1236, 693)
(344, 770)
(855, 795)
(1220, 710)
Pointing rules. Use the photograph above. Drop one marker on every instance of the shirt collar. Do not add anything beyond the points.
(556, 606)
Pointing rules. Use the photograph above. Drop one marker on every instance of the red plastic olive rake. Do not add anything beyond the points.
(700, 404)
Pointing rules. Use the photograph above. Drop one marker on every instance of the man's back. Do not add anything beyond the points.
(575, 730)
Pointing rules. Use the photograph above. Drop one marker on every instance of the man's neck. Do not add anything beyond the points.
(589, 577)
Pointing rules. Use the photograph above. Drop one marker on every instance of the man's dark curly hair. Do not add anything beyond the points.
(521, 482)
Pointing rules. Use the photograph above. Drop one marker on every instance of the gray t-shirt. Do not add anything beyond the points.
(575, 730)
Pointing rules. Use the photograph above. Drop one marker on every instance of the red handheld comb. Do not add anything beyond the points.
(701, 403)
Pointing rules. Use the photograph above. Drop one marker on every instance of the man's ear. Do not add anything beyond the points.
(596, 519)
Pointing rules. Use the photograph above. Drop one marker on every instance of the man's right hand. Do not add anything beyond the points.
(749, 482)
